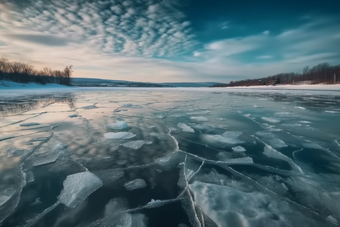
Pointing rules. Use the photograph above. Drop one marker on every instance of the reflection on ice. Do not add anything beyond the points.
(154, 157)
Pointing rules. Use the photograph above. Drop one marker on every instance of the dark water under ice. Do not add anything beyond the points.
(169, 157)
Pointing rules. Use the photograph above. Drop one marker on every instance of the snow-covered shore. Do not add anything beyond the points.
(324, 87)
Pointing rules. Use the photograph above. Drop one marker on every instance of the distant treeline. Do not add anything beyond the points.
(25, 73)
(321, 73)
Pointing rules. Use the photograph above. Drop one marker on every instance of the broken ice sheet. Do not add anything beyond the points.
(136, 144)
(199, 118)
(238, 149)
(229, 137)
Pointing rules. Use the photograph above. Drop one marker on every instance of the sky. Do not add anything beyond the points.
(171, 40)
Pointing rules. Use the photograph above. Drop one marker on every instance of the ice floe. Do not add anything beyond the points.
(136, 144)
(185, 127)
(271, 119)
(77, 187)
(199, 118)
(119, 125)
(238, 149)
(135, 184)
(119, 135)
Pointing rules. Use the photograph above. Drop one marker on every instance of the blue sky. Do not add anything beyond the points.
(171, 40)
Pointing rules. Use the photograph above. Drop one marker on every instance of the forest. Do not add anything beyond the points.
(26, 73)
(322, 73)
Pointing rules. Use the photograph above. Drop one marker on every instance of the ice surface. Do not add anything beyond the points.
(109, 176)
(90, 107)
(135, 184)
(331, 111)
(13, 152)
(199, 118)
(119, 135)
(131, 106)
(6, 195)
(6, 138)
(29, 124)
(200, 112)
(271, 119)
(29, 177)
(119, 125)
(238, 149)
(312, 146)
(73, 115)
(77, 187)
(51, 156)
(185, 127)
(227, 206)
(136, 144)
(271, 139)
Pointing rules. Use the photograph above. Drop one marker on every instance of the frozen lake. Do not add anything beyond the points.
(170, 157)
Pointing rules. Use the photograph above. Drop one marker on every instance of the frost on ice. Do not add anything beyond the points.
(119, 135)
(135, 184)
(136, 144)
(185, 127)
(77, 187)
(119, 125)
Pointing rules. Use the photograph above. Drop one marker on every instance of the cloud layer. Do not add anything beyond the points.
(152, 40)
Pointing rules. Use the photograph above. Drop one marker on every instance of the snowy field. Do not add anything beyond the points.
(169, 157)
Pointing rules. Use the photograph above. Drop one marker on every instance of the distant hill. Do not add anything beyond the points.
(93, 82)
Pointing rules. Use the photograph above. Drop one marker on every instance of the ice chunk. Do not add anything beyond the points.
(305, 122)
(148, 142)
(6, 195)
(238, 149)
(73, 115)
(199, 118)
(119, 135)
(331, 111)
(271, 139)
(229, 137)
(135, 184)
(185, 127)
(271, 119)
(51, 156)
(312, 146)
(332, 219)
(77, 187)
(29, 177)
(29, 124)
(300, 107)
(136, 144)
(119, 125)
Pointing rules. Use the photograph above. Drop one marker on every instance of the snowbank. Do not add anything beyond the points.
(325, 87)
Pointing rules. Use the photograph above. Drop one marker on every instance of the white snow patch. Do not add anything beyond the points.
(300, 107)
